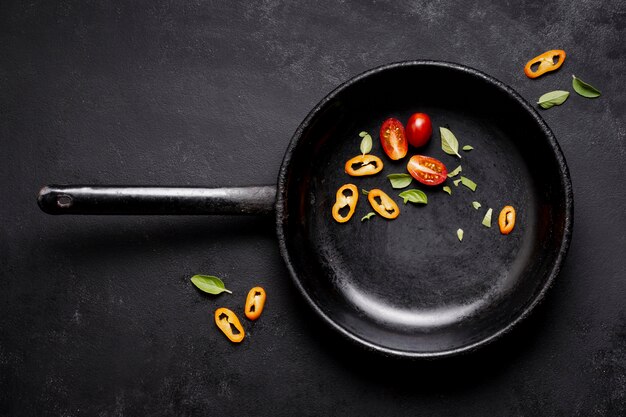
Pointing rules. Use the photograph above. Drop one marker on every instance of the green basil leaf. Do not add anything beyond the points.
(447, 189)
(367, 216)
(468, 148)
(414, 196)
(456, 182)
(456, 171)
(449, 143)
(584, 89)
(209, 284)
(553, 98)
(468, 183)
(364, 191)
(487, 218)
(400, 180)
(459, 234)
(476, 204)
(366, 143)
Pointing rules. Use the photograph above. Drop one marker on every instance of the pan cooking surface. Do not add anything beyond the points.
(408, 286)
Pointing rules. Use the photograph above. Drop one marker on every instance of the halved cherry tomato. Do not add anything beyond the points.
(364, 165)
(343, 200)
(229, 324)
(546, 63)
(419, 129)
(506, 220)
(255, 301)
(393, 139)
(427, 170)
(387, 208)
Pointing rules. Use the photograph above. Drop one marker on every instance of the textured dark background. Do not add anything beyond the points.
(97, 316)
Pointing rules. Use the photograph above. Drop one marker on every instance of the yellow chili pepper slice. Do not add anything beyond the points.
(255, 301)
(229, 324)
(364, 165)
(343, 200)
(506, 220)
(546, 63)
(387, 208)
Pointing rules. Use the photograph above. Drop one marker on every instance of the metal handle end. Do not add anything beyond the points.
(51, 201)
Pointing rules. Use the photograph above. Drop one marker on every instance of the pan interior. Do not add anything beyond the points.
(408, 285)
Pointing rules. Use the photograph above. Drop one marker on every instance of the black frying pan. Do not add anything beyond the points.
(405, 287)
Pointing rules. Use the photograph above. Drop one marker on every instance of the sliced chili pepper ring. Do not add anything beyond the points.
(342, 200)
(364, 165)
(383, 204)
(255, 302)
(506, 220)
(546, 63)
(229, 324)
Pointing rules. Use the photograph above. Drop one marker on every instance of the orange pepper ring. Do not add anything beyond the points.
(255, 301)
(366, 167)
(349, 201)
(506, 220)
(546, 63)
(386, 204)
(225, 324)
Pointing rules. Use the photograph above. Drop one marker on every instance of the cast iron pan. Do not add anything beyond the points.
(405, 287)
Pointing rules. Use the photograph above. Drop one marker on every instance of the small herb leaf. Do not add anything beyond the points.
(468, 148)
(584, 89)
(364, 191)
(468, 183)
(367, 216)
(553, 98)
(456, 171)
(487, 218)
(447, 189)
(476, 204)
(456, 182)
(209, 284)
(449, 143)
(366, 143)
(459, 234)
(414, 196)
(400, 180)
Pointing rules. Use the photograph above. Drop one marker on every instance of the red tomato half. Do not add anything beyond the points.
(427, 170)
(393, 139)
(419, 129)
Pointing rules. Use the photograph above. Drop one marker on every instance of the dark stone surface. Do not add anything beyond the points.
(97, 316)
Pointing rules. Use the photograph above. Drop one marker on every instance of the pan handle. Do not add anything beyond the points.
(87, 199)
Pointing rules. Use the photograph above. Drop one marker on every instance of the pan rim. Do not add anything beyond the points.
(282, 218)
